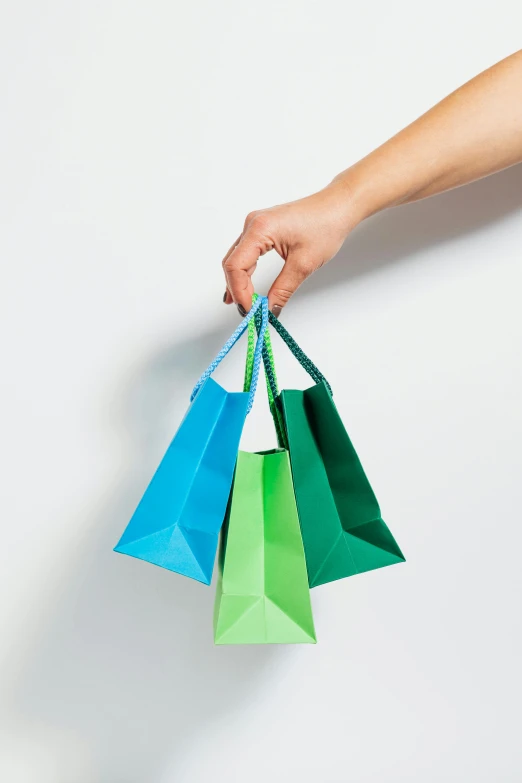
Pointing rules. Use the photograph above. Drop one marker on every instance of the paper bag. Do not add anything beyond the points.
(263, 595)
(177, 522)
(343, 531)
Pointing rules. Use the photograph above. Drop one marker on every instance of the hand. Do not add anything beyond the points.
(305, 233)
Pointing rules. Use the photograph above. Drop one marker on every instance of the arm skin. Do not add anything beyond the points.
(474, 132)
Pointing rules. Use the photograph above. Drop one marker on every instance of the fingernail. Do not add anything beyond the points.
(242, 311)
(225, 296)
(276, 309)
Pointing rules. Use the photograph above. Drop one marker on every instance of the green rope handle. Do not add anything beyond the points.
(270, 376)
(268, 360)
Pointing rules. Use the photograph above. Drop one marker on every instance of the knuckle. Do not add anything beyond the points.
(305, 269)
(228, 265)
(282, 295)
(302, 267)
(257, 221)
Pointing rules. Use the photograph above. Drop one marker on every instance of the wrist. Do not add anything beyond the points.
(343, 197)
(363, 187)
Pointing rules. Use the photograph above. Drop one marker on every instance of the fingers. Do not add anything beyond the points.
(238, 268)
(294, 272)
(227, 297)
(259, 236)
(240, 263)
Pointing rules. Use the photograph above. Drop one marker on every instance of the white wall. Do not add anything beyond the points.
(134, 139)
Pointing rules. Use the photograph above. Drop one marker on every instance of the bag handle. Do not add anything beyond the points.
(261, 304)
(305, 362)
(271, 379)
(268, 356)
(270, 372)
(268, 359)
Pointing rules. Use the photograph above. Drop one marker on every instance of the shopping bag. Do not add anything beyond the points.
(341, 523)
(177, 522)
(262, 595)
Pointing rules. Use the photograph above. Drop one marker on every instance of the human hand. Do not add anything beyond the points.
(305, 233)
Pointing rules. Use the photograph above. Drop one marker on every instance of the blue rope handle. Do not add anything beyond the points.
(259, 349)
(262, 303)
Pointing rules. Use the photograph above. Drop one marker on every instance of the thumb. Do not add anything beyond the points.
(294, 272)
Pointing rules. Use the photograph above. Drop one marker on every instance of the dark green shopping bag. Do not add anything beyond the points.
(341, 524)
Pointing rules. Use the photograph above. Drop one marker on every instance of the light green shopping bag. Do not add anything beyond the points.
(262, 594)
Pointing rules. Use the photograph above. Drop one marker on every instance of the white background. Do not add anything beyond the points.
(134, 139)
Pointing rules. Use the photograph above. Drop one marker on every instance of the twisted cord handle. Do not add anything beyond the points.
(268, 357)
(251, 345)
(298, 352)
(258, 349)
(270, 375)
(261, 302)
(274, 399)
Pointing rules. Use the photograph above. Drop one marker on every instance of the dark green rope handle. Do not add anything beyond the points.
(298, 352)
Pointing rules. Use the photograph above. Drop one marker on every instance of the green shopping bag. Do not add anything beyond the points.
(341, 524)
(262, 595)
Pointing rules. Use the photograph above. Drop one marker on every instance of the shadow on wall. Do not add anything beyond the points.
(124, 675)
(126, 668)
(398, 234)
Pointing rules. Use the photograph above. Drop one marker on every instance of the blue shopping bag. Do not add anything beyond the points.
(177, 522)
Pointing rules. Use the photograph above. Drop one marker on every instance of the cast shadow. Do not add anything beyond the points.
(126, 665)
(125, 669)
(399, 233)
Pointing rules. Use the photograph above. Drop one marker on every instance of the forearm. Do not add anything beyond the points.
(475, 131)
